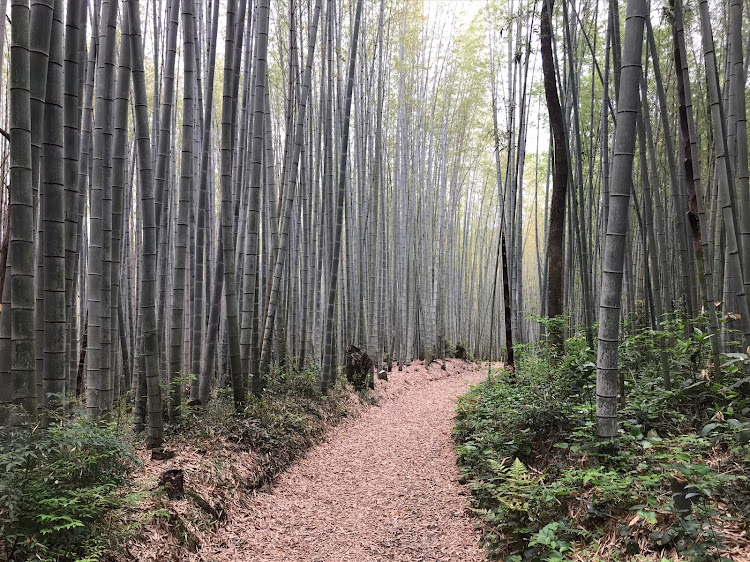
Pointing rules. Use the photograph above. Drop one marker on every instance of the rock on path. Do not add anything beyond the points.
(382, 487)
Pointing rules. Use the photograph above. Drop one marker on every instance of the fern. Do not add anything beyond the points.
(518, 471)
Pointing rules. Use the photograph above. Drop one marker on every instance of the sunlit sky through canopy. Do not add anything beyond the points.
(456, 16)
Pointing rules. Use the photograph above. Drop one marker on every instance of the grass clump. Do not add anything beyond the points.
(290, 416)
(61, 489)
(675, 481)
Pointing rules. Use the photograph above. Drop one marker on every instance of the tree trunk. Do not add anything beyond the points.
(555, 277)
(148, 273)
(628, 101)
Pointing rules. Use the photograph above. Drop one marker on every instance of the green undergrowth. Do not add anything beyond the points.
(676, 480)
(63, 491)
(289, 417)
(67, 492)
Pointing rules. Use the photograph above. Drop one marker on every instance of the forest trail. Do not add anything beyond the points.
(382, 487)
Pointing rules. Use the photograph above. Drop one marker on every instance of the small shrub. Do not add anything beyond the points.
(287, 419)
(58, 490)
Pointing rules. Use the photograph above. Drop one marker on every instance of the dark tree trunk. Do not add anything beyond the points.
(559, 181)
(510, 361)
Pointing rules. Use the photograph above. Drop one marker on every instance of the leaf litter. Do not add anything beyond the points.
(382, 486)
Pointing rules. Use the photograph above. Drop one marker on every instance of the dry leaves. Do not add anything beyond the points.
(383, 487)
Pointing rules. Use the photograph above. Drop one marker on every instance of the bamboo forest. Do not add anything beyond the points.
(348, 280)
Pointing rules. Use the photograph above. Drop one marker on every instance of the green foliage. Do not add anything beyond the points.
(552, 541)
(59, 491)
(287, 419)
(546, 487)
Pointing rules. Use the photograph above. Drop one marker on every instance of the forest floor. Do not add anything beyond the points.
(383, 486)
(675, 485)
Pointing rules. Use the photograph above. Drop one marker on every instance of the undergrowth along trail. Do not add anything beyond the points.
(673, 486)
(383, 486)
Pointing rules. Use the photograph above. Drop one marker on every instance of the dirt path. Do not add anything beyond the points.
(383, 486)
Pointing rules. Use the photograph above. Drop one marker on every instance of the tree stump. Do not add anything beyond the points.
(358, 367)
(173, 482)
